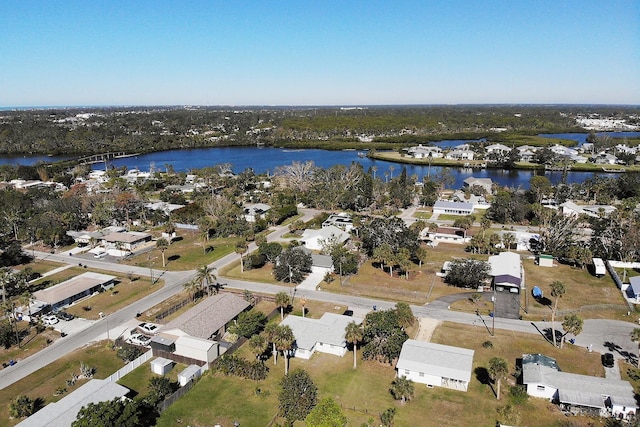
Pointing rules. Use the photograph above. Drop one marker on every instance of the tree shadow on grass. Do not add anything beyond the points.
(482, 375)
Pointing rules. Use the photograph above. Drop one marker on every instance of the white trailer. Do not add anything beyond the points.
(599, 269)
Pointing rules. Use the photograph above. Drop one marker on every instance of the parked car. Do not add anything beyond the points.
(607, 360)
(139, 339)
(148, 328)
(101, 254)
(63, 315)
(49, 319)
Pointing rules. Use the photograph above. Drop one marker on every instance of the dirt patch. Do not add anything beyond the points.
(426, 328)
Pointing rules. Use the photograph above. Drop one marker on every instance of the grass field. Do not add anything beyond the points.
(44, 382)
(363, 393)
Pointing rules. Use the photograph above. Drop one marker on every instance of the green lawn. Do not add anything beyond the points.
(363, 393)
(44, 382)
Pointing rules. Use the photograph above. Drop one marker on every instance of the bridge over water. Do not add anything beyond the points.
(103, 157)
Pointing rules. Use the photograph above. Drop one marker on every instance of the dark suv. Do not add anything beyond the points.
(63, 315)
(607, 360)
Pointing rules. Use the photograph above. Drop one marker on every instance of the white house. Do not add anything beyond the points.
(64, 412)
(497, 148)
(606, 397)
(326, 335)
(484, 183)
(506, 270)
(435, 364)
(423, 152)
(315, 239)
(341, 220)
(69, 291)
(460, 155)
(452, 208)
(255, 211)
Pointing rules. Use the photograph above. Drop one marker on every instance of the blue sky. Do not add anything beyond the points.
(321, 52)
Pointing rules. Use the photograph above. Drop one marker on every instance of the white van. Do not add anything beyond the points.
(101, 254)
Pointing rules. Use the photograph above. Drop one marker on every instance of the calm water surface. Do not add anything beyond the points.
(266, 160)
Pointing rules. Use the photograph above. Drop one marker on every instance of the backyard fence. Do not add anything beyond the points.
(130, 366)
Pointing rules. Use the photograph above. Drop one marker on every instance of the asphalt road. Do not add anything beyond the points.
(602, 335)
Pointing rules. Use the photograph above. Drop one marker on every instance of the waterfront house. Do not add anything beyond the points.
(485, 183)
(423, 152)
(497, 148)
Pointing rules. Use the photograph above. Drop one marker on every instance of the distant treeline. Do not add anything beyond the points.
(96, 130)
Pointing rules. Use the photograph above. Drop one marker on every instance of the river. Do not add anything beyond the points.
(266, 160)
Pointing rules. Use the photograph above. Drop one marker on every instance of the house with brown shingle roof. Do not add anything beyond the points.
(209, 319)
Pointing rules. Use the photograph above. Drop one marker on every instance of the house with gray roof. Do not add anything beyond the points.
(325, 335)
(69, 291)
(633, 291)
(64, 412)
(315, 239)
(255, 211)
(576, 393)
(209, 319)
(435, 364)
(452, 208)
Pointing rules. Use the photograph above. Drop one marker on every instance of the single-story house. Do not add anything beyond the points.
(484, 183)
(497, 148)
(315, 239)
(423, 152)
(460, 155)
(209, 319)
(64, 412)
(570, 208)
(605, 397)
(452, 208)
(326, 335)
(85, 237)
(127, 240)
(163, 207)
(255, 211)
(69, 291)
(506, 270)
(341, 220)
(435, 364)
(448, 234)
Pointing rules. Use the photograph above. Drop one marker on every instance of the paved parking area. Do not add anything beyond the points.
(507, 305)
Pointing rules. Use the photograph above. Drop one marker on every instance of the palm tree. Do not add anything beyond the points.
(402, 389)
(241, 248)
(508, 240)
(163, 245)
(205, 276)
(258, 345)
(353, 335)
(192, 287)
(404, 315)
(270, 332)
(282, 301)
(572, 325)
(485, 224)
(284, 342)
(25, 299)
(557, 290)
(498, 368)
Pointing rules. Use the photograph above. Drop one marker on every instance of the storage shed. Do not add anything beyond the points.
(545, 260)
(190, 373)
(161, 366)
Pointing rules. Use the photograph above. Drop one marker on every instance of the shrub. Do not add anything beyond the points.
(518, 395)
(237, 366)
(129, 352)
(487, 344)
